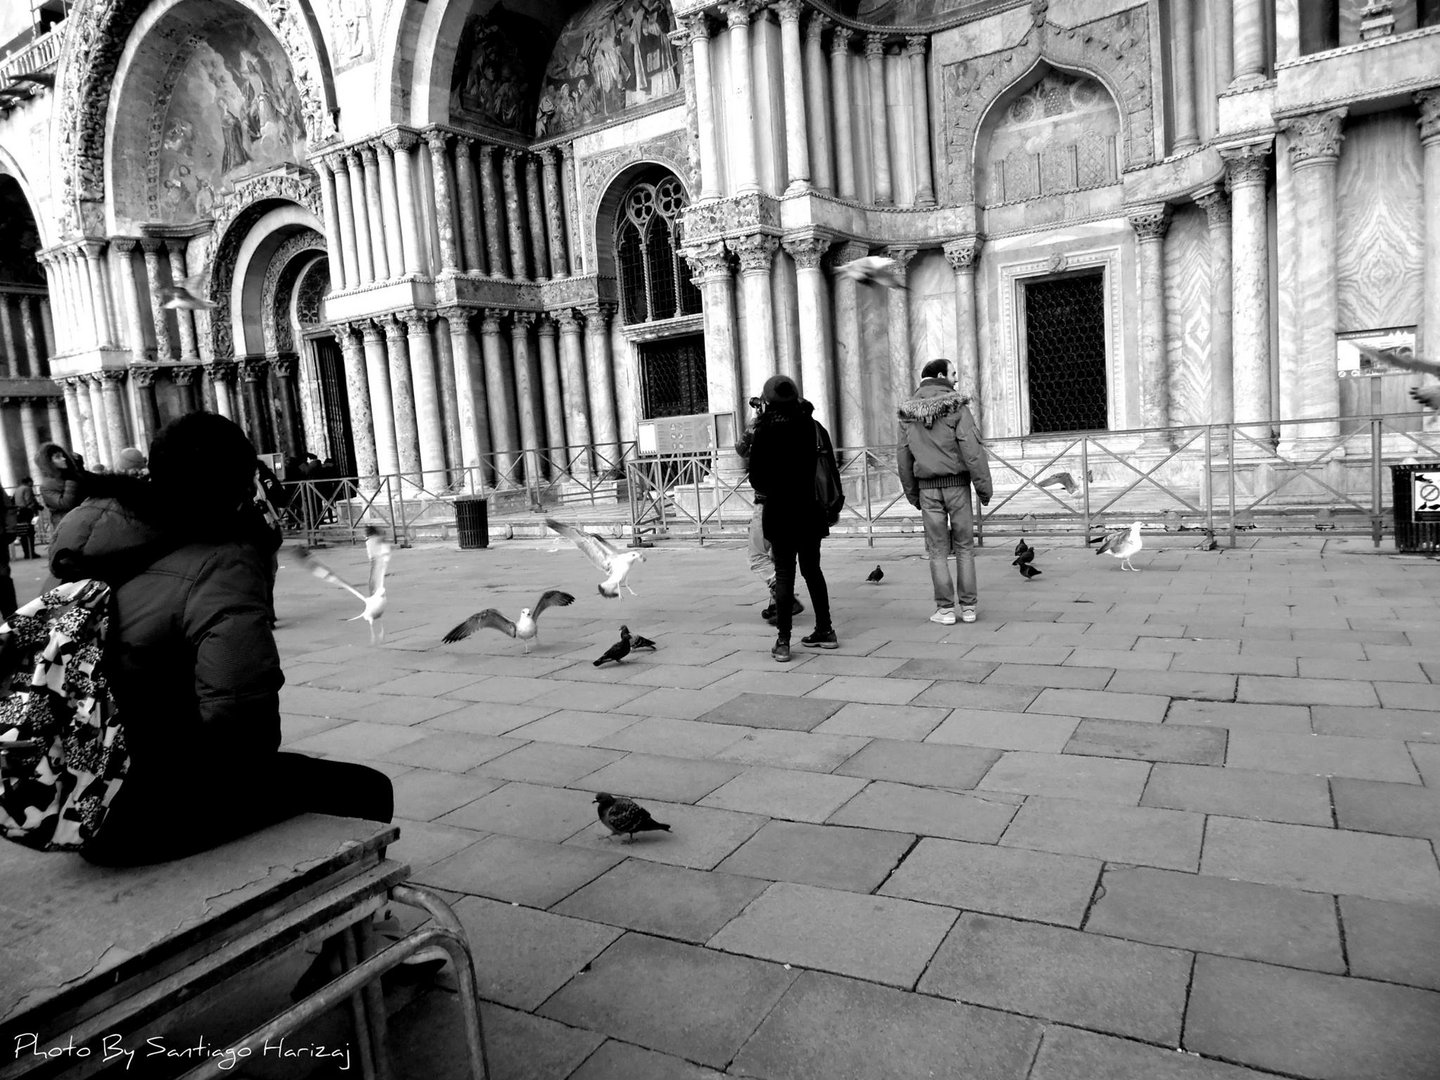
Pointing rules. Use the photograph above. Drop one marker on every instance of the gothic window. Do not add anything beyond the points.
(654, 280)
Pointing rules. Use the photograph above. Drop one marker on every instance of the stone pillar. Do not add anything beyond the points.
(349, 261)
(920, 119)
(574, 238)
(1314, 158)
(98, 293)
(711, 274)
(1429, 337)
(514, 219)
(755, 254)
(449, 402)
(1246, 169)
(1150, 224)
(897, 302)
(698, 26)
(817, 103)
(402, 395)
(1249, 38)
(428, 422)
(48, 325)
(382, 401)
(547, 331)
(163, 351)
(1222, 361)
(468, 197)
(407, 204)
(1182, 65)
(366, 263)
(130, 297)
(438, 141)
(9, 473)
(879, 121)
(470, 396)
(741, 114)
(962, 256)
(575, 392)
(599, 367)
(59, 426)
(74, 418)
(490, 203)
(112, 397)
(291, 440)
(844, 136)
(1222, 38)
(555, 214)
(9, 355)
(222, 379)
(529, 399)
(849, 358)
(34, 350)
(184, 378)
(147, 412)
(92, 420)
(183, 316)
(331, 213)
(381, 243)
(82, 323)
(503, 424)
(814, 317)
(253, 375)
(535, 204)
(397, 253)
(357, 389)
(797, 146)
(29, 435)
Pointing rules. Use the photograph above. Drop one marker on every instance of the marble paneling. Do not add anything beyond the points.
(932, 309)
(1187, 315)
(1287, 29)
(1367, 72)
(1286, 313)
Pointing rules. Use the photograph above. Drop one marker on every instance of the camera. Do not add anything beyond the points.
(757, 404)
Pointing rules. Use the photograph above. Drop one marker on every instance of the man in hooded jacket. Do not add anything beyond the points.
(941, 460)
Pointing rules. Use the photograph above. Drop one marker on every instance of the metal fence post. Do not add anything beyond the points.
(1377, 513)
(1230, 475)
(402, 534)
(1209, 479)
(869, 503)
(1085, 474)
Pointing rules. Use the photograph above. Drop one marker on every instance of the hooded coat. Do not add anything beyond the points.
(60, 490)
(782, 470)
(939, 442)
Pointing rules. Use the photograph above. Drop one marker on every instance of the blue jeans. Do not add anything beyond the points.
(949, 530)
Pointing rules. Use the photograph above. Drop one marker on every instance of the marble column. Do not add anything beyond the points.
(98, 293)
(382, 243)
(406, 202)
(470, 396)
(554, 214)
(82, 321)
(331, 213)
(756, 254)
(504, 427)
(1314, 159)
(183, 316)
(398, 253)
(47, 324)
(491, 213)
(349, 262)
(599, 367)
(147, 410)
(357, 389)
(449, 400)
(34, 350)
(291, 436)
(514, 217)
(163, 350)
(402, 398)
(92, 421)
(29, 435)
(382, 400)
(428, 422)
(812, 311)
(547, 332)
(920, 119)
(130, 297)
(535, 205)
(9, 355)
(1182, 67)
(797, 145)
(112, 397)
(365, 264)
(74, 419)
(1429, 335)
(740, 116)
(1249, 37)
(962, 255)
(879, 121)
(712, 275)
(10, 473)
(1246, 168)
(575, 391)
(222, 379)
(1222, 360)
(849, 353)
(897, 302)
(817, 102)
(438, 142)
(468, 197)
(257, 404)
(529, 398)
(844, 135)
(574, 238)
(59, 424)
(1150, 224)
(1222, 40)
(698, 27)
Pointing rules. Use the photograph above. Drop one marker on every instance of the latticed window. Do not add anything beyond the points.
(1065, 351)
(654, 280)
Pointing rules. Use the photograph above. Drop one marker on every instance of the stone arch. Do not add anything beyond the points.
(1114, 51)
(604, 177)
(11, 168)
(277, 292)
(103, 42)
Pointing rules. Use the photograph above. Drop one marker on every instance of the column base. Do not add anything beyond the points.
(798, 187)
(1156, 442)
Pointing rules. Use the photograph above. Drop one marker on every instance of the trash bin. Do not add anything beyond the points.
(1416, 498)
(472, 517)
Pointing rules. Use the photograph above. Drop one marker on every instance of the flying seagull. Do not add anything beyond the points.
(618, 651)
(1121, 543)
(622, 815)
(638, 642)
(378, 550)
(876, 575)
(1065, 480)
(872, 270)
(1429, 396)
(185, 295)
(616, 564)
(523, 628)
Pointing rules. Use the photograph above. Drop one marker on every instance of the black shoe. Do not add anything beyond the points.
(820, 639)
(769, 614)
(781, 650)
(797, 607)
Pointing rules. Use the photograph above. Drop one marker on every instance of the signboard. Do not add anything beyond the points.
(700, 433)
(1425, 496)
(1353, 363)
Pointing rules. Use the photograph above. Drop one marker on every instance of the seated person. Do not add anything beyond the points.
(192, 659)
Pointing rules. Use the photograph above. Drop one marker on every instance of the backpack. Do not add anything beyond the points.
(828, 491)
(62, 747)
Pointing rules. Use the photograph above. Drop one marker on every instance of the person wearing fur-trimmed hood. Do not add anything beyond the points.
(941, 459)
(62, 481)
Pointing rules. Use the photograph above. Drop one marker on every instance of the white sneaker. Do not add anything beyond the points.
(946, 616)
(967, 614)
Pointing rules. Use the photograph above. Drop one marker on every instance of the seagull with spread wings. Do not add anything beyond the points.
(872, 270)
(614, 563)
(523, 628)
(1428, 396)
(378, 550)
(185, 294)
(1121, 543)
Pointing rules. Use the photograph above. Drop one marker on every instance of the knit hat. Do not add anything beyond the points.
(780, 390)
(129, 460)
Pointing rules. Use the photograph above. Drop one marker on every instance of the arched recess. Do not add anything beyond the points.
(266, 236)
(604, 178)
(11, 168)
(277, 293)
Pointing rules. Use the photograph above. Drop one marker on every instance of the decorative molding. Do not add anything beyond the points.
(1215, 203)
(1247, 164)
(281, 275)
(1315, 138)
(807, 251)
(1428, 102)
(755, 252)
(719, 219)
(598, 171)
(964, 253)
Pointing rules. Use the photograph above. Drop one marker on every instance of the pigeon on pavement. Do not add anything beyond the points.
(378, 550)
(618, 651)
(1123, 544)
(638, 642)
(622, 815)
(1024, 557)
(614, 563)
(872, 270)
(876, 575)
(523, 628)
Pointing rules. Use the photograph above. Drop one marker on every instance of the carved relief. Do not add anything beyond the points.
(310, 301)
(962, 254)
(728, 217)
(708, 262)
(1215, 204)
(755, 252)
(1248, 164)
(807, 251)
(1149, 222)
(1316, 138)
(597, 172)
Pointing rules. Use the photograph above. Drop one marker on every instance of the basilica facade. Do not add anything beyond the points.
(491, 238)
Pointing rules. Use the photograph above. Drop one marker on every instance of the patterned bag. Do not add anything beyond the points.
(62, 747)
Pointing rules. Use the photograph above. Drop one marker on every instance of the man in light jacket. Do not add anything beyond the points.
(941, 460)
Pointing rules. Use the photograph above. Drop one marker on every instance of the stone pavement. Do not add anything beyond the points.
(1193, 809)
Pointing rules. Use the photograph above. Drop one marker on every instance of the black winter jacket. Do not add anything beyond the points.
(782, 471)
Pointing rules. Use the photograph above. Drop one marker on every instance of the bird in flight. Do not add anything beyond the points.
(1064, 480)
(377, 548)
(618, 651)
(622, 815)
(185, 295)
(1121, 543)
(873, 270)
(876, 575)
(614, 563)
(1429, 396)
(523, 628)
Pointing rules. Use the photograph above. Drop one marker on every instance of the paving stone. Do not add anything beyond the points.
(1118, 658)
(699, 836)
(531, 811)
(1413, 725)
(587, 696)
(522, 956)
(927, 764)
(1005, 730)
(964, 695)
(695, 1003)
(674, 738)
(424, 842)
(357, 739)
(451, 751)
(794, 795)
(1068, 1053)
(838, 663)
(1213, 915)
(772, 711)
(875, 689)
(843, 1029)
(1049, 655)
(1363, 670)
(1102, 704)
(485, 719)
(1278, 691)
(1189, 743)
(1289, 719)
(574, 727)
(675, 676)
(1427, 759)
(1175, 684)
(1241, 793)
(1245, 664)
(1132, 834)
(1003, 881)
(927, 812)
(792, 749)
(1086, 678)
(1306, 1024)
(1392, 942)
(501, 689)
(1294, 649)
(424, 795)
(295, 728)
(1407, 695)
(555, 764)
(872, 937)
(518, 1046)
(678, 704)
(621, 1061)
(1064, 975)
(830, 856)
(1322, 755)
(671, 901)
(1323, 860)
(1068, 776)
(1396, 809)
(427, 683)
(650, 776)
(909, 722)
(519, 871)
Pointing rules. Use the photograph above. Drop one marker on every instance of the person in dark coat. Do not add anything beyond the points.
(62, 481)
(192, 659)
(782, 470)
(27, 508)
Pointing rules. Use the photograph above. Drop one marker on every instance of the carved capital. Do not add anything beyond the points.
(874, 47)
(755, 252)
(334, 162)
(848, 251)
(490, 320)
(123, 244)
(901, 257)
(400, 140)
(393, 327)
(597, 316)
(438, 141)
(1429, 103)
(567, 320)
(840, 40)
(1247, 164)
(697, 26)
(143, 377)
(183, 376)
(807, 251)
(545, 324)
(454, 316)
(284, 366)
(223, 371)
(252, 369)
(1215, 204)
(788, 10)
(737, 13)
(962, 254)
(916, 44)
(521, 322)
(708, 262)
(417, 323)
(371, 332)
(1315, 138)
(93, 249)
(1149, 222)
(150, 245)
(352, 159)
(817, 26)
(368, 155)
